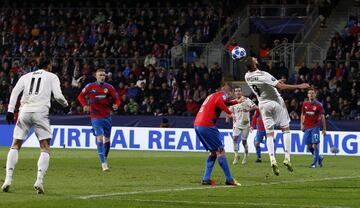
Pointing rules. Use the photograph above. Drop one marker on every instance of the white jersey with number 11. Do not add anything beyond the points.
(37, 88)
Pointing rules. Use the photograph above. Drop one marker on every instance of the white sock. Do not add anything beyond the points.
(270, 146)
(12, 159)
(43, 164)
(236, 148)
(246, 148)
(287, 145)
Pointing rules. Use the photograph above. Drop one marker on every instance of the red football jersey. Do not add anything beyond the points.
(312, 112)
(257, 121)
(211, 108)
(101, 96)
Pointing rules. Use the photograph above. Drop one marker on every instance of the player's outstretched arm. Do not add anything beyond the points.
(283, 86)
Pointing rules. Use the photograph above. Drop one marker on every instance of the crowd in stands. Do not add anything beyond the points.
(136, 43)
(131, 43)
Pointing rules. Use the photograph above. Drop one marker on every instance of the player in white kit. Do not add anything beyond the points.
(241, 124)
(272, 107)
(36, 88)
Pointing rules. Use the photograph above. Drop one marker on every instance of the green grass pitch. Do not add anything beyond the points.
(172, 179)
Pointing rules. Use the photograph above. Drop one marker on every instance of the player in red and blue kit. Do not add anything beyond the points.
(258, 123)
(311, 114)
(209, 135)
(101, 96)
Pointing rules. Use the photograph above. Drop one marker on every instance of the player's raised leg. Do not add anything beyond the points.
(271, 150)
(12, 159)
(287, 146)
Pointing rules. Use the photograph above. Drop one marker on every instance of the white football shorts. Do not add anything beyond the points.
(273, 114)
(37, 120)
(244, 130)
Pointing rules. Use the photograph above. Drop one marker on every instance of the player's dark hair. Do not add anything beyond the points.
(44, 62)
(249, 63)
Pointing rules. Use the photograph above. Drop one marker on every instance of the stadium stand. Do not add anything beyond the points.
(139, 46)
(134, 43)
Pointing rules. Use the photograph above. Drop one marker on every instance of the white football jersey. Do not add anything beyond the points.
(36, 87)
(242, 117)
(263, 85)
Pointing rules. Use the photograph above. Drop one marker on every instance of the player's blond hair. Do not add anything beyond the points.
(100, 70)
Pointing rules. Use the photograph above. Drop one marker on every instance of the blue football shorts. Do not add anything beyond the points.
(101, 126)
(312, 135)
(209, 137)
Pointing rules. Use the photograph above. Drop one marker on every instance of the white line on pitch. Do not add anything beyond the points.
(232, 203)
(153, 191)
(303, 181)
(213, 187)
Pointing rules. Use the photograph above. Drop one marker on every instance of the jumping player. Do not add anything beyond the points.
(209, 135)
(101, 95)
(272, 108)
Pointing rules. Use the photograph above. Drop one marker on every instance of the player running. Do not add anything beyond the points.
(311, 114)
(36, 88)
(257, 123)
(272, 108)
(241, 124)
(209, 135)
(101, 95)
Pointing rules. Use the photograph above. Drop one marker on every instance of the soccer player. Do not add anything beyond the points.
(36, 88)
(209, 135)
(311, 114)
(101, 95)
(258, 123)
(241, 124)
(272, 108)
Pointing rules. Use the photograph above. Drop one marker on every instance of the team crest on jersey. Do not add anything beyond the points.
(106, 90)
(314, 108)
(273, 79)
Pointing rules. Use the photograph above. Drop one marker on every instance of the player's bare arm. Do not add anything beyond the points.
(283, 86)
